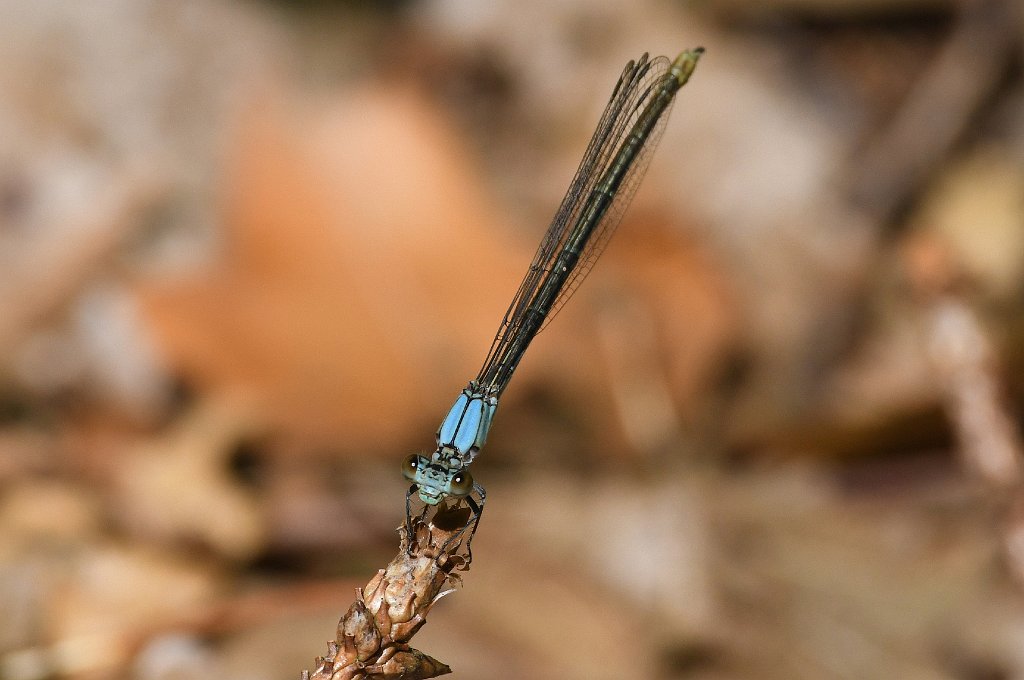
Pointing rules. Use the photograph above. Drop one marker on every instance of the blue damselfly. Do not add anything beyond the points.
(602, 188)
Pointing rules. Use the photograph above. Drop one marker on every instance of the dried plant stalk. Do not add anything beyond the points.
(969, 369)
(373, 635)
(970, 373)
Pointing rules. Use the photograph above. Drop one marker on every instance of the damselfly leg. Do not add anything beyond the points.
(448, 514)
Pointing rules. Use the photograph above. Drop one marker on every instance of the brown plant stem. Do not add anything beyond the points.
(373, 635)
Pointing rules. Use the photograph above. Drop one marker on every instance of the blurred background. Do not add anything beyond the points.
(250, 251)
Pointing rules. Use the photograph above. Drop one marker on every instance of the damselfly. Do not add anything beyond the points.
(602, 188)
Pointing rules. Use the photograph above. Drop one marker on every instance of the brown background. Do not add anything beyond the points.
(250, 252)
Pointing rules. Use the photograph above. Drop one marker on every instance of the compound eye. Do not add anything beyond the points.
(410, 465)
(461, 484)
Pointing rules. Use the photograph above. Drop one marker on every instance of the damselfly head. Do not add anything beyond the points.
(434, 481)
